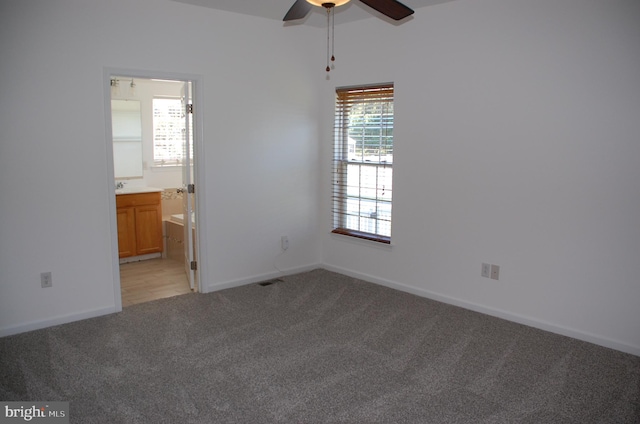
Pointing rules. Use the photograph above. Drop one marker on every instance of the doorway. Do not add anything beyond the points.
(153, 150)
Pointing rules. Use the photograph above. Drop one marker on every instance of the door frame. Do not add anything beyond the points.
(198, 164)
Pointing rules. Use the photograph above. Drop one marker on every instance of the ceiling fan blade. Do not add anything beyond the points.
(391, 8)
(298, 11)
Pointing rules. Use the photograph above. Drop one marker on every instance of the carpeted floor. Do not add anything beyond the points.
(316, 347)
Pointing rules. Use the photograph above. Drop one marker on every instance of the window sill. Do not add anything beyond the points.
(363, 236)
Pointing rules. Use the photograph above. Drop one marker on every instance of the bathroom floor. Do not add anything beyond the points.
(152, 279)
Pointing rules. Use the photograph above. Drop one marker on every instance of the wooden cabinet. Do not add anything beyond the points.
(139, 224)
(126, 232)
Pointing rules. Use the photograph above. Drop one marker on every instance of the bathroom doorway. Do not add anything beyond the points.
(154, 159)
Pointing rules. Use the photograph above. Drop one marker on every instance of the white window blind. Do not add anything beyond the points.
(363, 162)
(168, 131)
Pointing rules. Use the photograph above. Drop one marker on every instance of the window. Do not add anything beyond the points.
(168, 131)
(363, 162)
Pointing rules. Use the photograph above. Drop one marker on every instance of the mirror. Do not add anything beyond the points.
(127, 138)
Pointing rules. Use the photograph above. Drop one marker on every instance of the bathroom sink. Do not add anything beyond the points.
(138, 189)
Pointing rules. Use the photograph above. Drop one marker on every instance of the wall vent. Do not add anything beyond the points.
(269, 282)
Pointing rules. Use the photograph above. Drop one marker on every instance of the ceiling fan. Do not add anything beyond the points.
(391, 8)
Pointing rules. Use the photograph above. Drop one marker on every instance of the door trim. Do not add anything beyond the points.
(198, 163)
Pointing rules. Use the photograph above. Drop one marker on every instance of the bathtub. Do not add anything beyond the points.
(179, 218)
(174, 236)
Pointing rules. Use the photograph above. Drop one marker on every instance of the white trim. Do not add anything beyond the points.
(140, 258)
(202, 272)
(261, 277)
(509, 316)
(50, 322)
(113, 223)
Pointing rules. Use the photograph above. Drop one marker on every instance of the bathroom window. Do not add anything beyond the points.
(363, 162)
(168, 131)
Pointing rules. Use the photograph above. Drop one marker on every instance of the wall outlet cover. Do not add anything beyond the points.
(495, 272)
(486, 270)
(45, 280)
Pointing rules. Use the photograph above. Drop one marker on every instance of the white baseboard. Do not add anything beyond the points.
(509, 316)
(531, 322)
(139, 258)
(261, 277)
(50, 322)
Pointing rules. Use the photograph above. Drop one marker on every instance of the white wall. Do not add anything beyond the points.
(260, 152)
(517, 143)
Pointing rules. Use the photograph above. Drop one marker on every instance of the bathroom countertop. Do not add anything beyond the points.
(136, 190)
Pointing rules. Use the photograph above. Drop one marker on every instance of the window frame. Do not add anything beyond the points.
(347, 98)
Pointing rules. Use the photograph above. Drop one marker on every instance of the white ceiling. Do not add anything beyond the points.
(276, 9)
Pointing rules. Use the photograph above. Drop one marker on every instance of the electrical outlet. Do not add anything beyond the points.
(284, 242)
(486, 270)
(45, 280)
(495, 272)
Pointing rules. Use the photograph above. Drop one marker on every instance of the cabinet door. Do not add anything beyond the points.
(126, 232)
(148, 229)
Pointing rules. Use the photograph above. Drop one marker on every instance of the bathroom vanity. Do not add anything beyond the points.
(139, 215)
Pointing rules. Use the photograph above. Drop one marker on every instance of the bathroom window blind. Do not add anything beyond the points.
(168, 131)
(363, 162)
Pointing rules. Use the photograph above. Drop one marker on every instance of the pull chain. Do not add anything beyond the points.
(333, 32)
(328, 33)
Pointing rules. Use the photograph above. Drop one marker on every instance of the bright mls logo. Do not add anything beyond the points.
(36, 412)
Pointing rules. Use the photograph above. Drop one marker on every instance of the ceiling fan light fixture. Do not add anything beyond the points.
(301, 8)
(321, 3)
